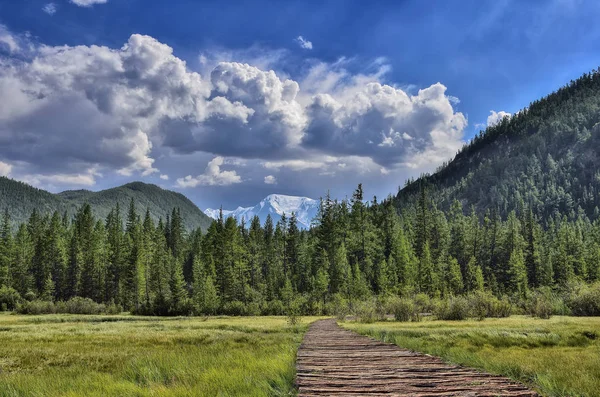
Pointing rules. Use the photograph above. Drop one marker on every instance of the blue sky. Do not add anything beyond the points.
(93, 106)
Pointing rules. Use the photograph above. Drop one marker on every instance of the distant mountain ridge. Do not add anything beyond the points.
(275, 205)
(20, 199)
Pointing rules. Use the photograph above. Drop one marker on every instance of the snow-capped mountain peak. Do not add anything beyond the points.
(276, 205)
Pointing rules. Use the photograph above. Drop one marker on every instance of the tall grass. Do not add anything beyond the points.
(71, 355)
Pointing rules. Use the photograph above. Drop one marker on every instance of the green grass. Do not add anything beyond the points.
(72, 355)
(558, 357)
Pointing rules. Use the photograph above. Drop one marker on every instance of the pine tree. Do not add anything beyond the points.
(21, 278)
(426, 276)
(473, 276)
(453, 277)
(517, 274)
(6, 251)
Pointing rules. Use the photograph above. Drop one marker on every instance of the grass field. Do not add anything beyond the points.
(559, 357)
(71, 355)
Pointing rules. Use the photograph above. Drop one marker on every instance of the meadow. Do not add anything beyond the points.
(78, 355)
(558, 357)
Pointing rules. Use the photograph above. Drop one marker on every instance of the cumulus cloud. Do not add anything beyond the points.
(49, 8)
(212, 176)
(495, 117)
(303, 43)
(111, 104)
(120, 107)
(263, 116)
(270, 180)
(164, 177)
(88, 3)
(5, 169)
(385, 123)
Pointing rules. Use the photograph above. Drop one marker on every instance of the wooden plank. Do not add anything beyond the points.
(333, 361)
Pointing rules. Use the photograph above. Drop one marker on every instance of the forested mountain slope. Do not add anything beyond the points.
(20, 199)
(547, 156)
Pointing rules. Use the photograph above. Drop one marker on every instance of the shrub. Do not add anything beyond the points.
(80, 305)
(75, 305)
(9, 298)
(455, 308)
(36, 307)
(585, 300)
(404, 310)
(484, 304)
(502, 308)
(338, 307)
(113, 308)
(234, 308)
(424, 303)
(544, 303)
(540, 306)
(366, 312)
(274, 308)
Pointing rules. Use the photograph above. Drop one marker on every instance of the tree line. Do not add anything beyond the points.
(354, 251)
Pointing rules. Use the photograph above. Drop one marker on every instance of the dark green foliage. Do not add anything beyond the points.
(544, 157)
(9, 298)
(21, 199)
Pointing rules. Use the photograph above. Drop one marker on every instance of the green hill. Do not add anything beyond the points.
(21, 199)
(545, 156)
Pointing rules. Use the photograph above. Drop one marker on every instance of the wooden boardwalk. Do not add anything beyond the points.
(333, 361)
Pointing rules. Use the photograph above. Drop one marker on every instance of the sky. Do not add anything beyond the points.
(229, 102)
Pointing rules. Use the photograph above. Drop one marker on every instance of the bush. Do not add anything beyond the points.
(540, 306)
(234, 308)
(424, 304)
(79, 305)
(75, 305)
(502, 308)
(36, 307)
(338, 307)
(456, 308)
(585, 300)
(274, 308)
(484, 304)
(404, 310)
(9, 298)
(366, 312)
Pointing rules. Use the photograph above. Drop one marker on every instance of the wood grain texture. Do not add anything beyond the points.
(333, 361)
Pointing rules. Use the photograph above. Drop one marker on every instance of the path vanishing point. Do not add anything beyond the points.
(333, 361)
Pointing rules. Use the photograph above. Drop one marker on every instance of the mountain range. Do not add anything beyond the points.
(275, 205)
(20, 199)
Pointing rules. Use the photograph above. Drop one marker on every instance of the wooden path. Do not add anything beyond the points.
(333, 361)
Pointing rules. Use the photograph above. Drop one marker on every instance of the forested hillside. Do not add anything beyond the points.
(545, 157)
(21, 199)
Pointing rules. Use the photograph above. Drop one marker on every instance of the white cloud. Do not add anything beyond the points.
(495, 117)
(213, 176)
(5, 169)
(49, 8)
(122, 107)
(88, 3)
(113, 103)
(302, 42)
(8, 40)
(164, 177)
(88, 178)
(367, 120)
(295, 165)
(270, 180)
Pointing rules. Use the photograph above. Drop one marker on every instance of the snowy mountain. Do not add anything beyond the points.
(276, 205)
